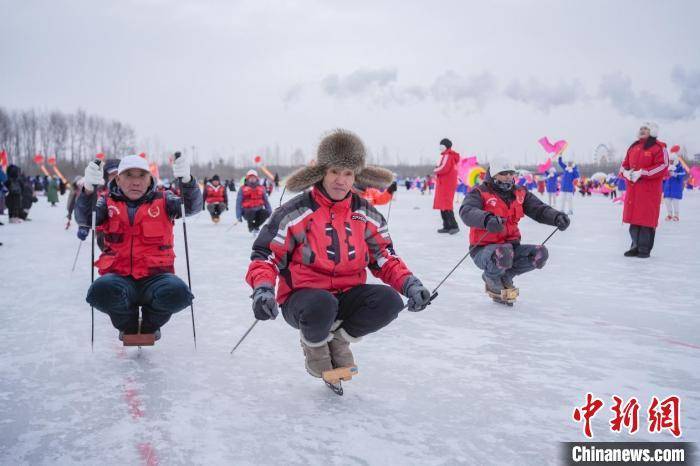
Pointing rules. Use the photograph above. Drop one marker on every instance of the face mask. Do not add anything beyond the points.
(442, 148)
(504, 185)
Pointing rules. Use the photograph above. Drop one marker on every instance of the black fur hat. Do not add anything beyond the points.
(446, 142)
(342, 149)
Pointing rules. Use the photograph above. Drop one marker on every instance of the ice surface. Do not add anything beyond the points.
(465, 382)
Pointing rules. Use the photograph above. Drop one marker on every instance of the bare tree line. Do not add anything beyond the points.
(73, 138)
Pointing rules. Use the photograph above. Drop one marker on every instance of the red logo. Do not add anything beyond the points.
(154, 211)
(112, 211)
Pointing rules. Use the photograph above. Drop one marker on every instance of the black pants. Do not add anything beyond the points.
(255, 218)
(363, 310)
(642, 238)
(448, 219)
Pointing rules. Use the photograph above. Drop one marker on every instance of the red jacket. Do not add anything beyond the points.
(313, 242)
(253, 196)
(446, 173)
(643, 199)
(139, 250)
(493, 204)
(215, 194)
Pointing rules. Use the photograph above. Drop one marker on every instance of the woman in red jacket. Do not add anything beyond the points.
(446, 174)
(645, 166)
(319, 245)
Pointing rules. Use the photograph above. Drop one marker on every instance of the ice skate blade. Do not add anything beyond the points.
(139, 339)
(336, 375)
(500, 299)
(337, 388)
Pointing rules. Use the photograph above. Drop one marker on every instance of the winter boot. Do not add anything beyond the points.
(669, 218)
(675, 218)
(443, 230)
(341, 356)
(494, 286)
(317, 356)
(507, 281)
(633, 252)
(453, 231)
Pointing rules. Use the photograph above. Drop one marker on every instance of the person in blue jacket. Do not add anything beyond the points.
(552, 186)
(570, 173)
(673, 187)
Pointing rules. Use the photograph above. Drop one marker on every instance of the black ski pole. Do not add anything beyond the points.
(284, 190)
(550, 235)
(92, 260)
(245, 335)
(434, 294)
(187, 251)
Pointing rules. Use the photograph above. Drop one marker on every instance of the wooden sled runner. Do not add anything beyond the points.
(139, 339)
(507, 296)
(333, 379)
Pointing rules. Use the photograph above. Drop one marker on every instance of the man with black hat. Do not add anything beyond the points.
(216, 198)
(446, 174)
(320, 245)
(492, 211)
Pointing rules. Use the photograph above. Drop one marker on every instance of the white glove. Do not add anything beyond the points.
(635, 175)
(93, 175)
(671, 168)
(181, 169)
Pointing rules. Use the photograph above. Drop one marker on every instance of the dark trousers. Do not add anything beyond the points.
(216, 208)
(642, 238)
(362, 310)
(255, 218)
(448, 219)
(159, 296)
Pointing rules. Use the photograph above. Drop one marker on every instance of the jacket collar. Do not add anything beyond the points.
(323, 199)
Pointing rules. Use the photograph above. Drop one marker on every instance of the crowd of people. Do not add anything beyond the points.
(311, 255)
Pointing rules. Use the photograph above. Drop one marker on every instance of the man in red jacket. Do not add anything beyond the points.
(446, 173)
(216, 198)
(137, 265)
(492, 211)
(645, 166)
(319, 245)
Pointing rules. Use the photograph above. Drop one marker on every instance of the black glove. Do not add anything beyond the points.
(562, 221)
(83, 233)
(264, 303)
(392, 188)
(418, 295)
(494, 223)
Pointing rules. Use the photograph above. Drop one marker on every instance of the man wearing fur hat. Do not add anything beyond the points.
(492, 211)
(137, 264)
(319, 244)
(252, 202)
(446, 174)
(645, 166)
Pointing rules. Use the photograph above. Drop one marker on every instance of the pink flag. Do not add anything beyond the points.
(550, 148)
(464, 167)
(543, 167)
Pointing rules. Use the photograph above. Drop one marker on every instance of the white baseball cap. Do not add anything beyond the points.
(133, 161)
(499, 166)
(251, 173)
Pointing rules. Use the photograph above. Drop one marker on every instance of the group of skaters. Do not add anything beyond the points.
(310, 256)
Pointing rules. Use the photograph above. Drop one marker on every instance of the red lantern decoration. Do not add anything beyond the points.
(257, 159)
(100, 156)
(52, 160)
(142, 155)
(38, 159)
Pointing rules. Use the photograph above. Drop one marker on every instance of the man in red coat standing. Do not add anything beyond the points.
(645, 166)
(446, 174)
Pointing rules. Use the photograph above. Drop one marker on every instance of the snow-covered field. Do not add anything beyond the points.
(465, 382)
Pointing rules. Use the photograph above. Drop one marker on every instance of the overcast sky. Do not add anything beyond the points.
(236, 76)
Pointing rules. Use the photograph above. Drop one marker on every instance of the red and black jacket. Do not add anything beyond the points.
(314, 242)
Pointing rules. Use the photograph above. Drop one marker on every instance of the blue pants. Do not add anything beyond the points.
(160, 296)
(509, 259)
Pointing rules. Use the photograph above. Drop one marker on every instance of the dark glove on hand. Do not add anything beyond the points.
(392, 188)
(264, 303)
(83, 233)
(494, 223)
(562, 221)
(418, 295)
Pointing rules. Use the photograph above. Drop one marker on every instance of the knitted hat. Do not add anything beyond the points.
(499, 166)
(341, 149)
(653, 128)
(447, 143)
